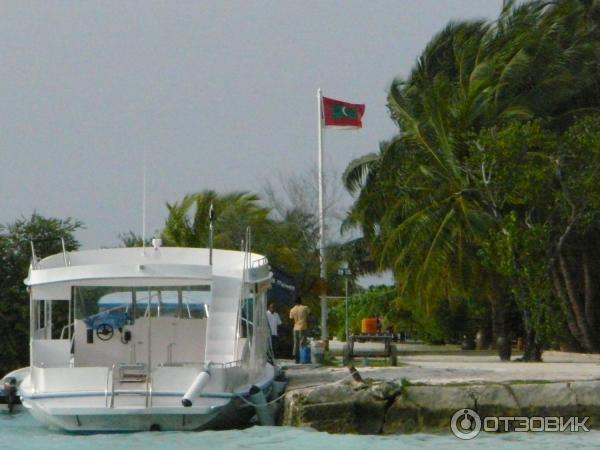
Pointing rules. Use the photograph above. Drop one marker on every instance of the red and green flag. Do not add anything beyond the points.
(339, 114)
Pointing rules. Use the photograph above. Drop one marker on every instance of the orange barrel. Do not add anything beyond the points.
(368, 326)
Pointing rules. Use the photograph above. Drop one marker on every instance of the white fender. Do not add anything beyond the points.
(195, 389)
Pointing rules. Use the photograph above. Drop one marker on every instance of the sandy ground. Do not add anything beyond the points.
(447, 364)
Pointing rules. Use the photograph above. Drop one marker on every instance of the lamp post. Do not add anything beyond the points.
(346, 272)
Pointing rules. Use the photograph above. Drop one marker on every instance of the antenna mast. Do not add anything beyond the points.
(144, 204)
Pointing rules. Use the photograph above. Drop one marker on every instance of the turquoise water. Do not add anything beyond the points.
(20, 431)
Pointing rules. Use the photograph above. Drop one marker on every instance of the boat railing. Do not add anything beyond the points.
(249, 330)
(70, 336)
(170, 353)
(227, 365)
(236, 363)
(65, 255)
(149, 391)
(35, 263)
(65, 328)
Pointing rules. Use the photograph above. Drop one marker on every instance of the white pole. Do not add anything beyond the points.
(323, 273)
(32, 316)
(144, 205)
(347, 334)
(211, 216)
(149, 368)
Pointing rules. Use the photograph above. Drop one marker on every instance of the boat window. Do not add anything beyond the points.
(39, 319)
(60, 319)
(189, 302)
(246, 317)
(149, 302)
(97, 305)
(193, 303)
(50, 319)
(40, 315)
(124, 304)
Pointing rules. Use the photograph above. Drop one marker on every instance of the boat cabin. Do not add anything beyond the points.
(154, 307)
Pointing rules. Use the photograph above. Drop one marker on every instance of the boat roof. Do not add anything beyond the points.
(52, 277)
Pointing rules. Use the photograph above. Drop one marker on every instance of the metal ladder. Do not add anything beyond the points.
(129, 374)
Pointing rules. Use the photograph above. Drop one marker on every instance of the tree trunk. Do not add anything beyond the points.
(504, 348)
(533, 350)
(480, 340)
(586, 336)
(588, 292)
(500, 337)
(560, 294)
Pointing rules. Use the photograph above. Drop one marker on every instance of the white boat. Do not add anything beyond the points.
(158, 338)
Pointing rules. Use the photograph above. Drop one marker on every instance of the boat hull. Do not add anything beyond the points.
(230, 414)
(138, 409)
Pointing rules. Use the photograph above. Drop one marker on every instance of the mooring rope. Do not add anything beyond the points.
(352, 374)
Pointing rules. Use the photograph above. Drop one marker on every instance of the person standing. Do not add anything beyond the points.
(274, 322)
(299, 314)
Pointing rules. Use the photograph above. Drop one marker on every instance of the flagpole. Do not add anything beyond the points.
(323, 272)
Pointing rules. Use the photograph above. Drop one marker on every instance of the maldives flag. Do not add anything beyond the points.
(337, 113)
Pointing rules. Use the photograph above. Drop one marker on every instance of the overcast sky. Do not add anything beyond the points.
(220, 94)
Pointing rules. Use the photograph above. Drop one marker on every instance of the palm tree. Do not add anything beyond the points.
(422, 207)
(188, 221)
(290, 242)
(429, 219)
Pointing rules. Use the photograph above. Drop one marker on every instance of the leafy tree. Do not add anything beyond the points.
(15, 254)
(376, 301)
(542, 180)
(575, 231)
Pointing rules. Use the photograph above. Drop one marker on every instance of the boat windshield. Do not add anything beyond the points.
(122, 305)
